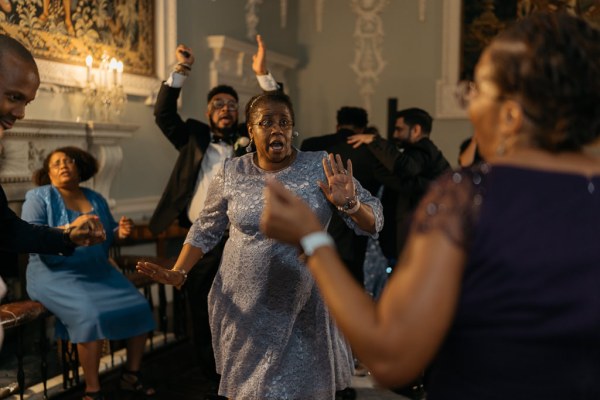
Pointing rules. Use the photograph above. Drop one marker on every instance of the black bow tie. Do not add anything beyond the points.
(217, 139)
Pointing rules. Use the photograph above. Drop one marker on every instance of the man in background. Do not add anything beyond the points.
(413, 161)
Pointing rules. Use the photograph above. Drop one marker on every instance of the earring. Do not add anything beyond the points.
(501, 149)
(249, 147)
(295, 134)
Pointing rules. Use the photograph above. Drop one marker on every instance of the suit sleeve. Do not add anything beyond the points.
(175, 129)
(406, 164)
(19, 236)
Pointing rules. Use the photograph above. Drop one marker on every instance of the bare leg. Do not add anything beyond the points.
(68, 23)
(135, 352)
(89, 357)
(130, 380)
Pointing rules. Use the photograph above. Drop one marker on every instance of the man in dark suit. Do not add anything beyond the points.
(202, 150)
(350, 121)
(413, 161)
(19, 81)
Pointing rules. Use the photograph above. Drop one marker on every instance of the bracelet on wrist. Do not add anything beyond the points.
(313, 241)
(350, 206)
(183, 273)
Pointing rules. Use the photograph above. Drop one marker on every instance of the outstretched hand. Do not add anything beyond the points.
(259, 60)
(340, 185)
(160, 274)
(360, 139)
(87, 230)
(286, 217)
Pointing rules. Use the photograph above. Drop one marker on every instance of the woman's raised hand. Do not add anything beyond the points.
(340, 185)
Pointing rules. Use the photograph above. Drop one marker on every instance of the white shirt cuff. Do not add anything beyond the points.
(267, 82)
(175, 80)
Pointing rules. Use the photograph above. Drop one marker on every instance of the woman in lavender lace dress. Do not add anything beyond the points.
(497, 292)
(272, 334)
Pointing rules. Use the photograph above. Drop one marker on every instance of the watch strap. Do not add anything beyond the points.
(313, 241)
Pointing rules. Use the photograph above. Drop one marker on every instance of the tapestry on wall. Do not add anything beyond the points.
(69, 30)
(482, 20)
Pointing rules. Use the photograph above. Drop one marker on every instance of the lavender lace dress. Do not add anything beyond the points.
(272, 334)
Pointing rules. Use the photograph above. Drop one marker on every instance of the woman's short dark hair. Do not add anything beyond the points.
(86, 164)
(550, 64)
(270, 97)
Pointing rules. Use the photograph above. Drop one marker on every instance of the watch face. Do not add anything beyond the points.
(350, 204)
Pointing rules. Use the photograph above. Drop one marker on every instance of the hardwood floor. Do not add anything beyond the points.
(173, 372)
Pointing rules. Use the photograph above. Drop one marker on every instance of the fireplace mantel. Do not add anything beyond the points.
(30, 141)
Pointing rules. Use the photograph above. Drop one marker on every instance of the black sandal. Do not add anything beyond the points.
(131, 382)
(93, 395)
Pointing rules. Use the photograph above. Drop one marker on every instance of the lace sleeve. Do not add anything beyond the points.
(452, 205)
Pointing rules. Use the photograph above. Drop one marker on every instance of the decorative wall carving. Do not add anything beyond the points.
(252, 18)
(368, 38)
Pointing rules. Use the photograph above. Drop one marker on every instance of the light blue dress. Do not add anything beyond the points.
(91, 298)
(273, 336)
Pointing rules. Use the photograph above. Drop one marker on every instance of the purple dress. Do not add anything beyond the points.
(527, 324)
(272, 333)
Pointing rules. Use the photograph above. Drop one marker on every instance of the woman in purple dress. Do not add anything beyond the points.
(497, 293)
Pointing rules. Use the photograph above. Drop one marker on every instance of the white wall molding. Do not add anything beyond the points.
(446, 105)
(137, 208)
(30, 141)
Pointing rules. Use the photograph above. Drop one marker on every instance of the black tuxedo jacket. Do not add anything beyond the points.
(191, 138)
(18, 236)
(412, 169)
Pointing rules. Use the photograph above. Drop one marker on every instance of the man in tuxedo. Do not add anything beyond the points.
(413, 161)
(202, 149)
(19, 81)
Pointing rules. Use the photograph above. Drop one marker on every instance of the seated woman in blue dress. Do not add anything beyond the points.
(91, 299)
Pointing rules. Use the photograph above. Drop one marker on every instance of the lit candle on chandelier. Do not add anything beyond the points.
(88, 62)
(112, 67)
(120, 73)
